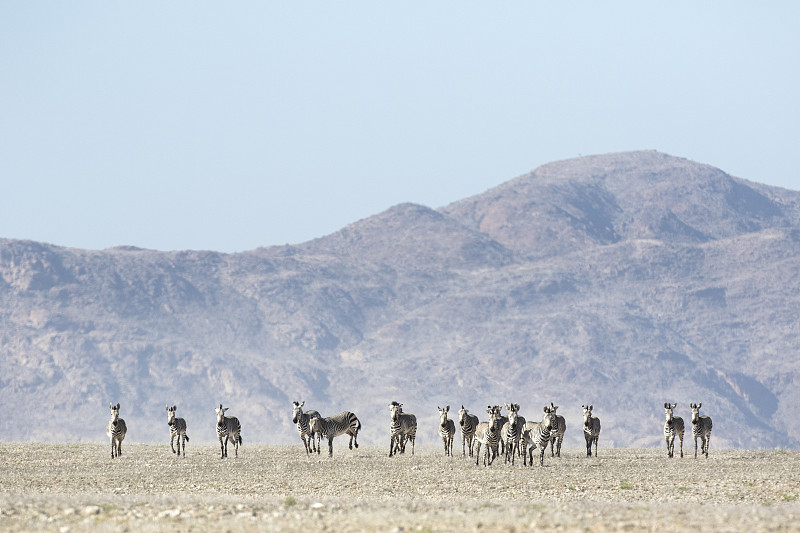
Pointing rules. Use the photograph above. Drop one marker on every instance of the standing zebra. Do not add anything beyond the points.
(228, 429)
(701, 427)
(403, 427)
(591, 430)
(488, 434)
(538, 434)
(333, 426)
(303, 421)
(116, 430)
(447, 430)
(512, 431)
(557, 435)
(468, 423)
(672, 427)
(177, 430)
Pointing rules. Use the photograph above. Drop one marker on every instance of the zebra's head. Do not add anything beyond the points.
(114, 412)
(443, 415)
(550, 418)
(668, 411)
(462, 415)
(587, 415)
(695, 412)
(220, 414)
(494, 417)
(395, 410)
(297, 411)
(171, 414)
(512, 414)
(553, 408)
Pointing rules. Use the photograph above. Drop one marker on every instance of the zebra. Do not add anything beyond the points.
(116, 430)
(557, 435)
(447, 430)
(488, 434)
(403, 427)
(591, 430)
(501, 420)
(228, 429)
(512, 431)
(303, 421)
(538, 434)
(469, 424)
(333, 426)
(672, 427)
(177, 430)
(701, 428)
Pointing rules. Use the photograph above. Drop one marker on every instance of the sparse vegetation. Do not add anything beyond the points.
(79, 488)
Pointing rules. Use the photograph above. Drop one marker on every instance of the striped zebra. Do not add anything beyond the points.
(488, 434)
(228, 429)
(591, 429)
(403, 427)
(501, 420)
(512, 431)
(701, 428)
(303, 422)
(177, 430)
(116, 430)
(557, 435)
(447, 430)
(672, 427)
(538, 434)
(333, 426)
(469, 423)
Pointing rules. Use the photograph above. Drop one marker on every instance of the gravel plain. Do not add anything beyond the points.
(78, 487)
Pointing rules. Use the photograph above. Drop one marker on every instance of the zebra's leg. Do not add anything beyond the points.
(119, 447)
(351, 441)
(681, 445)
(560, 440)
(669, 450)
(391, 446)
(595, 445)
(330, 446)
(695, 445)
(541, 456)
(221, 449)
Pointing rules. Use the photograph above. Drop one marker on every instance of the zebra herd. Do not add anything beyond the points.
(673, 427)
(510, 435)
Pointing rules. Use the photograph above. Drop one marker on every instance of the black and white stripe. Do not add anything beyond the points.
(537, 434)
(591, 430)
(228, 429)
(488, 435)
(557, 435)
(402, 428)
(333, 426)
(469, 423)
(177, 430)
(116, 430)
(303, 422)
(673, 427)
(701, 428)
(447, 430)
(512, 431)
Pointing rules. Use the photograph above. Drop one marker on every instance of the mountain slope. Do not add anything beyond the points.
(622, 280)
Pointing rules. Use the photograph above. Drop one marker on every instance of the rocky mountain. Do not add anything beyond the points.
(622, 280)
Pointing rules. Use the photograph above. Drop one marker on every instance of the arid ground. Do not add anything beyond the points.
(78, 487)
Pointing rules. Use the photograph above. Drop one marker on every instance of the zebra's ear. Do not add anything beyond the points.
(174, 407)
(699, 405)
(110, 405)
(591, 407)
(168, 408)
(118, 406)
(302, 403)
(447, 409)
(674, 405)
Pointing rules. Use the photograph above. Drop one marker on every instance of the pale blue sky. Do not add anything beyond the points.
(229, 126)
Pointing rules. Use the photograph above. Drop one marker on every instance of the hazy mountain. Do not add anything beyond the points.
(622, 280)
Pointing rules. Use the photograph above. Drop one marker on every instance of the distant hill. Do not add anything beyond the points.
(622, 280)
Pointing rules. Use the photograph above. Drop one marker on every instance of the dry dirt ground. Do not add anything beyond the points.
(78, 487)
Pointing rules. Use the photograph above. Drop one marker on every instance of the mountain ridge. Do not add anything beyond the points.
(623, 280)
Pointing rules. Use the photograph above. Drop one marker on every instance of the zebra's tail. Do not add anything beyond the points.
(185, 436)
(359, 425)
(240, 438)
